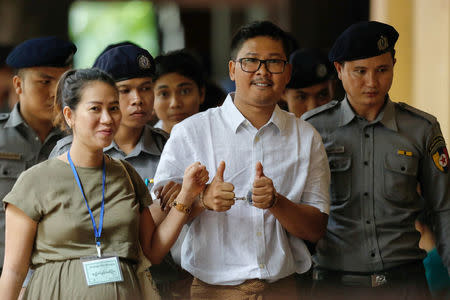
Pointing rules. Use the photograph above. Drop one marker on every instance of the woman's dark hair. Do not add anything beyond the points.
(69, 89)
(182, 62)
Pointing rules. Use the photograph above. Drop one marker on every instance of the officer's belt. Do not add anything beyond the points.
(374, 279)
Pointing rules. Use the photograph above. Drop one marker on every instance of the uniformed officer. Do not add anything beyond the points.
(141, 145)
(26, 134)
(311, 83)
(388, 162)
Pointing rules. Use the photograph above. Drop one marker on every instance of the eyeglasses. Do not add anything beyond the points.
(251, 65)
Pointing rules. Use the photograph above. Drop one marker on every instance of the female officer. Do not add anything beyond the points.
(80, 217)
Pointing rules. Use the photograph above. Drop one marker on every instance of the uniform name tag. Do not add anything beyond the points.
(102, 270)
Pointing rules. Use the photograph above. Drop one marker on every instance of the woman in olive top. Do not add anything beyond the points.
(79, 217)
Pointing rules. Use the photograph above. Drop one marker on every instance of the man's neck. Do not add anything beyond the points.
(369, 112)
(127, 138)
(41, 127)
(258, 116)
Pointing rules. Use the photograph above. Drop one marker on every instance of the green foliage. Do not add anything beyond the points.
(95, 25)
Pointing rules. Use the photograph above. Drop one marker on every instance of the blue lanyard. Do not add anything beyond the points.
(97, 232)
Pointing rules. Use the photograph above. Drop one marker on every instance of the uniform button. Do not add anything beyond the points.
(366, 194)
(5, 172)
(366, 163)
(403, 168)
(368, 222)
(261, 266)
(372, 254)
(366, 135)
(259, 233)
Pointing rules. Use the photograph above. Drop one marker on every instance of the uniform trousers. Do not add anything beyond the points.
(405, 282)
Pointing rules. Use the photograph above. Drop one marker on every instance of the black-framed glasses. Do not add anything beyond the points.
(251, 65)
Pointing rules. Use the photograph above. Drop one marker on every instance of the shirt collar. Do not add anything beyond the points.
(15, 118)
(385, 117)
(145, 144)
(347, 113)
(234, 117)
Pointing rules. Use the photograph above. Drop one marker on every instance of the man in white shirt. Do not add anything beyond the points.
(235, 248)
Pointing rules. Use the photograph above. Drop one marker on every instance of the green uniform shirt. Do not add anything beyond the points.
(376, 168)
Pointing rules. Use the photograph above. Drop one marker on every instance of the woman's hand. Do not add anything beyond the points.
(194, 181)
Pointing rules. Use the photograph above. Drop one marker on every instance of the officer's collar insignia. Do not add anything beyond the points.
(143, 62)
(439, 154)
(382, 43)
(321, 70)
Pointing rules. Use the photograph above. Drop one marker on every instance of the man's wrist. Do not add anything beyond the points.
(274, 199)
(201, 199)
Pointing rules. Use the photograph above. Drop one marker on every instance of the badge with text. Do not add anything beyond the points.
(439, 154)
(102, 270)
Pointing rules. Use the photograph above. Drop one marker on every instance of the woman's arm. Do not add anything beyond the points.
(19, 238)
(156, 240)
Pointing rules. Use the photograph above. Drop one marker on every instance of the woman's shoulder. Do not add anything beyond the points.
(44, 167)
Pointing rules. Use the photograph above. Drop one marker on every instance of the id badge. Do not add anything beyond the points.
(102, 270)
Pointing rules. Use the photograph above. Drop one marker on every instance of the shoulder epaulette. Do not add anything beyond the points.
(64, 141)
(4, 116)
(159, 131)
(319, 109)
(430, 118)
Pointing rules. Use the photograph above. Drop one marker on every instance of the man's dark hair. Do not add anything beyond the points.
(183, 62)
(256, 29)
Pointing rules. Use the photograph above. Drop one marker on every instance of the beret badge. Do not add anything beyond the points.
(382, 43)
(321, 71)
(143, 62)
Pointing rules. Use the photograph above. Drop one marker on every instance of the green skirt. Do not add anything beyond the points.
(66, 280)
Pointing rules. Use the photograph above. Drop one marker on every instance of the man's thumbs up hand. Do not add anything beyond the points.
(264, 194)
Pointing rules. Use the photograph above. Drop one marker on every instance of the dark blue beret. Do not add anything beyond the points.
(309, 67)
(363, 40)
(126, 62)
(110, 46)
(42, 52)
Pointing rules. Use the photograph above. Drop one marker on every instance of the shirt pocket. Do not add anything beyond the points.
(341, 177)
(400, 177)
(10, 170)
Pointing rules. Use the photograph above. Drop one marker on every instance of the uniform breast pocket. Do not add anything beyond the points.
(341, 177)
(400, 177)
(10, 170)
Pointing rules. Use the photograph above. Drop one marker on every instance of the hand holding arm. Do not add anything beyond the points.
(167, 194)
(156, 240)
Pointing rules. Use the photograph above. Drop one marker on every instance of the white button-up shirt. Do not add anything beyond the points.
(245, 242)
